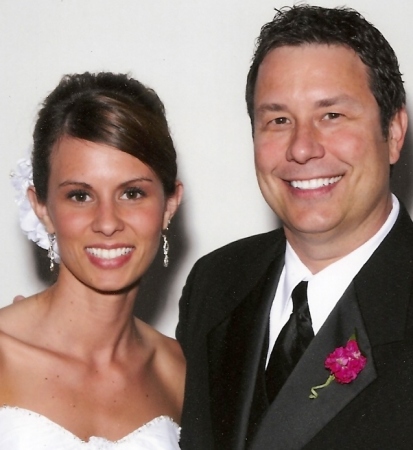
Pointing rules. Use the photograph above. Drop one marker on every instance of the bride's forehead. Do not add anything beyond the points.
(80, 159)
(71, 150)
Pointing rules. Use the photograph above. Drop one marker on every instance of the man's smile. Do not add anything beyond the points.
(314, 183)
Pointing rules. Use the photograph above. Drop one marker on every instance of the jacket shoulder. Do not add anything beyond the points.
(247, 249)
(235, 267)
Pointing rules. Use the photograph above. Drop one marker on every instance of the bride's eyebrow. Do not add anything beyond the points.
(75, 183)
(84, 185)
(138, 179)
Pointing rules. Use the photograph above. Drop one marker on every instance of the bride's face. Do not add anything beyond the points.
(107, 209)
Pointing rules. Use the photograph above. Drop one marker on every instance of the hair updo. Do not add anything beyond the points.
(110, 109)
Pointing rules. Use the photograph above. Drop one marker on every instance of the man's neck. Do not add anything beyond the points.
(318, 250)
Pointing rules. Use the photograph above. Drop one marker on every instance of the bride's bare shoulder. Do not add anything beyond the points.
(162, 344)
(169, 361)
(15, 318)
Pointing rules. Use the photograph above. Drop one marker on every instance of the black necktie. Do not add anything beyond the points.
(291, 343)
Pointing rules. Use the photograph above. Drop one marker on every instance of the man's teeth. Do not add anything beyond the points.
(315, 183)
(105, 253)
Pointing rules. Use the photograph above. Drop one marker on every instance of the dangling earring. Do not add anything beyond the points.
(50, 253)
(165, 250)
(165, 247)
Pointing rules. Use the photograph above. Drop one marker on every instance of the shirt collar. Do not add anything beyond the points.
(327, 286)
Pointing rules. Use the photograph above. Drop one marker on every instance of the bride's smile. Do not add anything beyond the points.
(107, 210)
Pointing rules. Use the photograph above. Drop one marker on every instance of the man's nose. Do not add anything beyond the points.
(304, 144)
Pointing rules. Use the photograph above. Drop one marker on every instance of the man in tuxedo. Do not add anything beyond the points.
(327, 107)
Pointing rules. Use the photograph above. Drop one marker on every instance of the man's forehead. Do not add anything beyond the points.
(309, 63)
(313, 46)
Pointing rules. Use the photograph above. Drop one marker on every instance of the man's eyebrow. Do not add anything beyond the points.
(265, 107)
(323, 103)
(337, 100)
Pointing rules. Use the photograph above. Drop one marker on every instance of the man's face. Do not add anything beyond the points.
(321, 160)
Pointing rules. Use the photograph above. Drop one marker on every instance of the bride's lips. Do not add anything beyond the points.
(109, 258)
(108, 253)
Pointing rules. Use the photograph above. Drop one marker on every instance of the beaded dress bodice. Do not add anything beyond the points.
(21, 429)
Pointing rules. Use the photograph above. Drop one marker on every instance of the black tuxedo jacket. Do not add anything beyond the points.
(222, 328)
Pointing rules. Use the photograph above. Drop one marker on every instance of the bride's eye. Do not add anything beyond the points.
(133, 193)
(78, 196)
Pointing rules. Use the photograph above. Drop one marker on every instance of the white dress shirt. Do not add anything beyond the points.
(326, 287)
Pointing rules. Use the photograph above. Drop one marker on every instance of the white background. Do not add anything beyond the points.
(196, 55)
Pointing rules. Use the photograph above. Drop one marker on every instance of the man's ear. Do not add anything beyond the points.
(397, 133)
(40, 209)
(172, 204)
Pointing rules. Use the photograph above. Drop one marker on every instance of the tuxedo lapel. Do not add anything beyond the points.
(384, 284)
(293, 418)
(234, 355)
(376, 303)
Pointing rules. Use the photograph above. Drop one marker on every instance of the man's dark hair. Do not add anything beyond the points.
(305, 24)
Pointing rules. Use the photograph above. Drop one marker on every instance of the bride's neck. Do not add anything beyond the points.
(88, 323)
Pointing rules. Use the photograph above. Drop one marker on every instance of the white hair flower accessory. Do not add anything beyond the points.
(21, 179)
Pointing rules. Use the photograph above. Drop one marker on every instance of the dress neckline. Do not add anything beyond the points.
(50, 422)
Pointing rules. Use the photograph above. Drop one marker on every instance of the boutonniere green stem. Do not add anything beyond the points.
(344, 363)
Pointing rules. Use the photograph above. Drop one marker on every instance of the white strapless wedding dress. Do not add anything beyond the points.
(21, 429)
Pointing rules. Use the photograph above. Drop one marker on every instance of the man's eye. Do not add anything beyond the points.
(133, 193)
(79, 196)
(280, 120)
(332, 116)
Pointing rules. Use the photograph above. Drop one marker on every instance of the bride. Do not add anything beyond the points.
(77, 369)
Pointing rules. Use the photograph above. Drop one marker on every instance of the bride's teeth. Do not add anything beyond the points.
(315, 183)
(105, 253)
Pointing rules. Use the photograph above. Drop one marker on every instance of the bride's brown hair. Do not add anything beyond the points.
(106, 108)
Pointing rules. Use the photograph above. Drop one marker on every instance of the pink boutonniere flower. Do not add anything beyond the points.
(344, 363)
